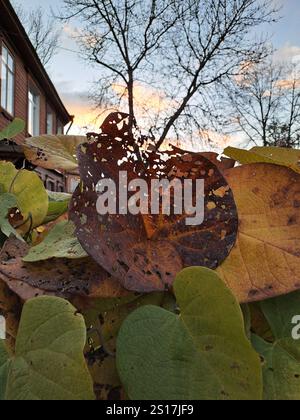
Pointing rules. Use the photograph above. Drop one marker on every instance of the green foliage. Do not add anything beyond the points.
(13, 129)
(4, 368)
(201, 354)
(106, 317)
(27, 187)
(59, 243)
(281, 357)
(58, 205)
(48, 363)
(7, 202)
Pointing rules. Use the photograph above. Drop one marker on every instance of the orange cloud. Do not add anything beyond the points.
(146, 98)
(86, 117)
(288, 84)
(148, 102)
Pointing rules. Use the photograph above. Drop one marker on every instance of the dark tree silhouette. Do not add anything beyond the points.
(265, 104)
(182, 49)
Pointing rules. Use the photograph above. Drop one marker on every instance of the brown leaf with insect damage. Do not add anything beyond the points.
(56, 152)
(25, 291)
(266, 259)
(10, 309)
(145, 252)
(15, 217)
(60, 277)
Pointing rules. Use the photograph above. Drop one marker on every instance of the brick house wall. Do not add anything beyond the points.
(21, 90)
(29, 73)
(24, 79)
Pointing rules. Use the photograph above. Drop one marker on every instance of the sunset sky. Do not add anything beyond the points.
(74, 78)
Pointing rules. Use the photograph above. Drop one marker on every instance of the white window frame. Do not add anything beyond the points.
(7, 76)
(33, 111)
(50, 122)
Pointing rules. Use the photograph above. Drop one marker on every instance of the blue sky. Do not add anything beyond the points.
(287, 30)
(73, 78)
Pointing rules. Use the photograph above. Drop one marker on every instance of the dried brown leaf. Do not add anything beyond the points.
(61, 277)
(145, 252)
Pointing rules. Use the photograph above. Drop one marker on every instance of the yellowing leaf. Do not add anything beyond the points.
(277, 155)
(53, 152)
(266, 258)
(27, 187)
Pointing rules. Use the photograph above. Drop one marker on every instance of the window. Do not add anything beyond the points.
(74, 182)
(60, 129)
(7, 80)
(50, 185)
(50, 121)
(33, 112)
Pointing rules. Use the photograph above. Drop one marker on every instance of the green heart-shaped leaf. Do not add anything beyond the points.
(281, 367)
(48, 363)
(202, 354)
(61, 242)
(106, 317)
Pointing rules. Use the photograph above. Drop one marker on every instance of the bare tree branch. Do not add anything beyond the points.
(265, 104)
(182, 49)
(42, 31)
